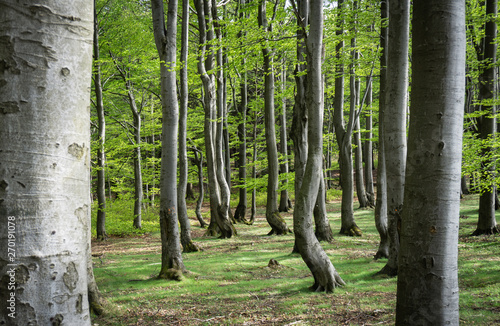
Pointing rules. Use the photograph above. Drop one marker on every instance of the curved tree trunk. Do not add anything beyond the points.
(325, 276)
(395, 123)
(101, 122)
(343, 135)
(198, 161)
(172, 265)
(323, 230)
(428, 292)
(219, 223)
(45, 161)
(487, 223)
(186, 241)
(273, 217)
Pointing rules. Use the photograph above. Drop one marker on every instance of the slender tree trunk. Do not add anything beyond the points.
(172, 265)
(368, 148)
(325, 276)
(45, 161)
(219, 223)
(427, 292)
(186, 241)
(487, 127)
(395, 123)
(254, 170)
(273, 217)
(381, 201)
(101, 122)
(284, 199)
(343, 134)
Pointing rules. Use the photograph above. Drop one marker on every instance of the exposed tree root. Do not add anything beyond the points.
(190, 247)
(353, 231)
(172, 274)
(381, 253)
(387, 271)
(488, 231)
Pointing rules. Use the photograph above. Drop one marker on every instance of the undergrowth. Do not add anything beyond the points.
(230, 282)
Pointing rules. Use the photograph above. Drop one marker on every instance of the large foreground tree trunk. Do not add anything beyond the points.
(45, 76)
(427, 291)
(395, 123)
(165, 38)
(325, 276)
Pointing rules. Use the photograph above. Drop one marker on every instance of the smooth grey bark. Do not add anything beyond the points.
(101, 127)
(172, 265)
(427, 292)
(368, 147)
(298, 132)
(273, 217)
(343, 134)
(326, 278)
(395, 123)
(253, 211)
(381, 201)
(486, 223)
(138, 192)
(186, 240)
(284, 204)
(219, 223)
(45, 78)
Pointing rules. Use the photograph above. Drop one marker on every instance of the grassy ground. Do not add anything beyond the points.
(230, 282)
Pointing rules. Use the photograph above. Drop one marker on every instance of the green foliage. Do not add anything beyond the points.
(119, 217)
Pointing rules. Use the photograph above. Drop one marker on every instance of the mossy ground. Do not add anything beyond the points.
(230, 282)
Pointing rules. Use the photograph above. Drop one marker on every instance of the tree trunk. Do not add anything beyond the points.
(323, 230)
(368, 148)
(172, 265)
(427, 291)
(254, 170)
(186, 241)
(101, 123)
(487, 127)
(273, 217)
(284, 199)
(45, 161)
(381, 201)
(395, 123)
(219, 223)
(343, 134)
(325, 276)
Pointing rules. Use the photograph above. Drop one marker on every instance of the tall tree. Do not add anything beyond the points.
(186, 241)
(284, 204)
(487, 124)
(368, 146)
(101, 126)
(381, 201)
(325, 276)
(273, 217)
(218, 207)
(166, 44)
(395, 123)
(45, 160)
(343, 133)
(427, 290)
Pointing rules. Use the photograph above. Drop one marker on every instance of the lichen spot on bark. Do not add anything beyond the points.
(9, 107)
(78, 305)
(22, 274)
(82, 214)
(70, 277)
(57, 320)
(65, 72)
(76, 150)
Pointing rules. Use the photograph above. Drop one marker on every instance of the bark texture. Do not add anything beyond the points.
(427, 292)
(165, 38)
(325, 276)
(395, 123)
(45, 74)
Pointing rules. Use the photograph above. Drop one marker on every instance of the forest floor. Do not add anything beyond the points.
(230, 282)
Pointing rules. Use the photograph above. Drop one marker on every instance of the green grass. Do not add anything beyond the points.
(230, 283)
